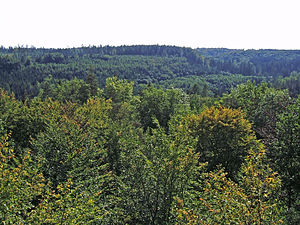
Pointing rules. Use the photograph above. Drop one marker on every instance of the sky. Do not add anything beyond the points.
(235, 24)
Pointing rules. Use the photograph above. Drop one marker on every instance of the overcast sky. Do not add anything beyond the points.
(242, 24)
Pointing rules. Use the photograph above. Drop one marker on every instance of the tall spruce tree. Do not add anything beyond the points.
(92, 82)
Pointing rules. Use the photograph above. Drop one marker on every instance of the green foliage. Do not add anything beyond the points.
(223, 136)
(20, 120)
(292, 83)
(285, 155)
(155, 169)
(207, 84)
(252, 200)
(67, 149)
(94, 115)
(73, 161)
(21, 69)
(92, 82)
(262, 105)
(161, 105)
(74, 90)
(199, 103)
(9, 109)
(71, 203)
(268, 62)
(116, 158)
(21, 185)
(118, 90)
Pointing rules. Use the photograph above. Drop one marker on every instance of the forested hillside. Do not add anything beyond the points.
(149, 135)
(167, 66)
(266, 62)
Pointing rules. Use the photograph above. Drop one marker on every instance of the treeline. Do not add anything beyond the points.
(78, 154)
(21, 69)
(264, 62)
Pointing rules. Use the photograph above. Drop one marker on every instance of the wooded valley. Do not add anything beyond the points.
(149, 135)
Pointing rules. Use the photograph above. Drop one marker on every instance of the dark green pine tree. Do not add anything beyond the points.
(204, 92)
(195, 89)
(92, 81)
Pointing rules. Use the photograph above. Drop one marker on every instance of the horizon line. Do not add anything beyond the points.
(27, 46)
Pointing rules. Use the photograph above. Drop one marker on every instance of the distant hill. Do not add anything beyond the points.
(266, 62)
(22, 68)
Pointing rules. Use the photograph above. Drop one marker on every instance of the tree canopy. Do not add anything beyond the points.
(149, 135)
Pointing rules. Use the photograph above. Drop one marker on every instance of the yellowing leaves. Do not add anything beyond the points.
(224, 137)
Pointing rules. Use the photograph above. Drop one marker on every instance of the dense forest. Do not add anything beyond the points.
(218, 70)
(149, 135)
